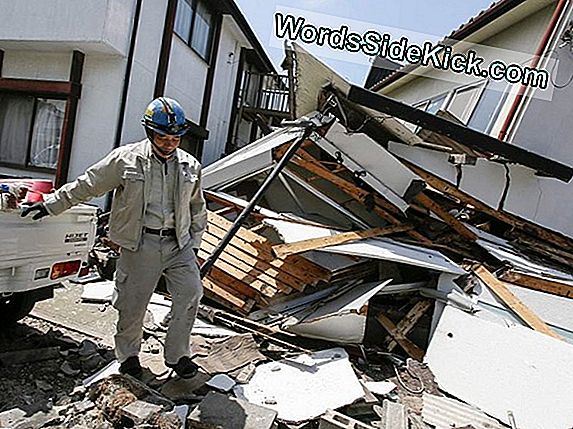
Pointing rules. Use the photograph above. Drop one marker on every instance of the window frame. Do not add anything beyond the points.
(193, 4)
(26, 166)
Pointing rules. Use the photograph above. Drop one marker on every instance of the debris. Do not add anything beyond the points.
(335, 420)
(182, 389)
(232, 413)
(290, 386)
(222, 382)
(501, 368)
(140, 411)
(283, 250)
(101, 291)
(246, 373)
(445, 413)
(393, 416)
(113, 394)
(340, 317)
(42, 385)
(229, 354)
(67, 369)
(380, 387)
(510, 300)
(10, 417)
(412, 349)
(28, 356)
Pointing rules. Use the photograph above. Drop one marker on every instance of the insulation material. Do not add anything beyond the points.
(503, 368)
(304, 387)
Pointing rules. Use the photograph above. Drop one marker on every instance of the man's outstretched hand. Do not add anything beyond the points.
(38, 207)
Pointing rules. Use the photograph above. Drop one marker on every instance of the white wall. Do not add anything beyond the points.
(92, 25)
(522, 37)
(144, 68)
(223, 90)
(186, 78)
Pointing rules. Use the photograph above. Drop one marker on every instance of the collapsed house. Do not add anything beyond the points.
(359, 287)
(396, 257)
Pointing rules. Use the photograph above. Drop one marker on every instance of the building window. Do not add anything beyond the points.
(488, 107)
(463, 101)
(30, 130)
(194, 24)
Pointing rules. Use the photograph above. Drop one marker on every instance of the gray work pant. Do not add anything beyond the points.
(136, 277)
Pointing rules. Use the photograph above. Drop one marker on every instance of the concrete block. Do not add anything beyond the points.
(139, 411)
(335, 420)
(231, 413)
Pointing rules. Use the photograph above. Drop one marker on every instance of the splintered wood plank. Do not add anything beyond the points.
(447, 188)
(409, 321)
(247, 279)
(382, 207)
(536, 283)
(220, 295)
(283, 250)
(256, 267)
(443, 214)
(409, 347)
(294, 268)
(514, 303)
(256, 279)
(263, 249)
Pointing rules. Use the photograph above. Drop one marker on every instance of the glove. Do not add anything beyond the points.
(38, 207)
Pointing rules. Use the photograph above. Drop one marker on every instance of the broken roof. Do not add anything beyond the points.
(498, 9)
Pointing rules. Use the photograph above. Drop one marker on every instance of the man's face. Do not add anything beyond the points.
(166, 145)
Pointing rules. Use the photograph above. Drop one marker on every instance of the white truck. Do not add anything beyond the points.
(36, 255)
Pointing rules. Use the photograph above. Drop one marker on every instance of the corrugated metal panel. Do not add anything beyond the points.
(445, 413)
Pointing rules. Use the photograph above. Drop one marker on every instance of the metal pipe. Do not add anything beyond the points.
(310, 128)
(517, 101)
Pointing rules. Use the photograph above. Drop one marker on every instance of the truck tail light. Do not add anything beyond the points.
(84, 271)
(64, 269)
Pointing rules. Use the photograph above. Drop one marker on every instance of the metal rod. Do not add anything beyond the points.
(208, 264)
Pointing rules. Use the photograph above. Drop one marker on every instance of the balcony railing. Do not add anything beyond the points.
(265, 93)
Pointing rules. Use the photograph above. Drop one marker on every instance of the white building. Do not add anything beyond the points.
(76, 76)
(512, 31)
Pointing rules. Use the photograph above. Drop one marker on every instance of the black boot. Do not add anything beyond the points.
(184, 368)
(131, 366)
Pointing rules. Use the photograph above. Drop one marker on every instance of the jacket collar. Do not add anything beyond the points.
(143, 150)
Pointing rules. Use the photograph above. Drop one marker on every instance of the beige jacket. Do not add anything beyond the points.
(126, 170)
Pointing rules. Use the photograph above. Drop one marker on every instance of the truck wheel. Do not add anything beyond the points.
(15, 307)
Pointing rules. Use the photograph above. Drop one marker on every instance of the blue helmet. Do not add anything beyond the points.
(165, 116)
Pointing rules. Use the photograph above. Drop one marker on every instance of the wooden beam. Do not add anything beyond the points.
(513, 302)
(69, 123)
(283, 250)
(220, 295)
(409, 321)
(409, 347)
(246, 272)
(294, 264)
(42, 87)
(443, 214)
(537, 283)
(352, 190)
(522, 224)
(235, 254)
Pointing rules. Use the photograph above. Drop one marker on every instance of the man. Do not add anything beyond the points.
(158, 216)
